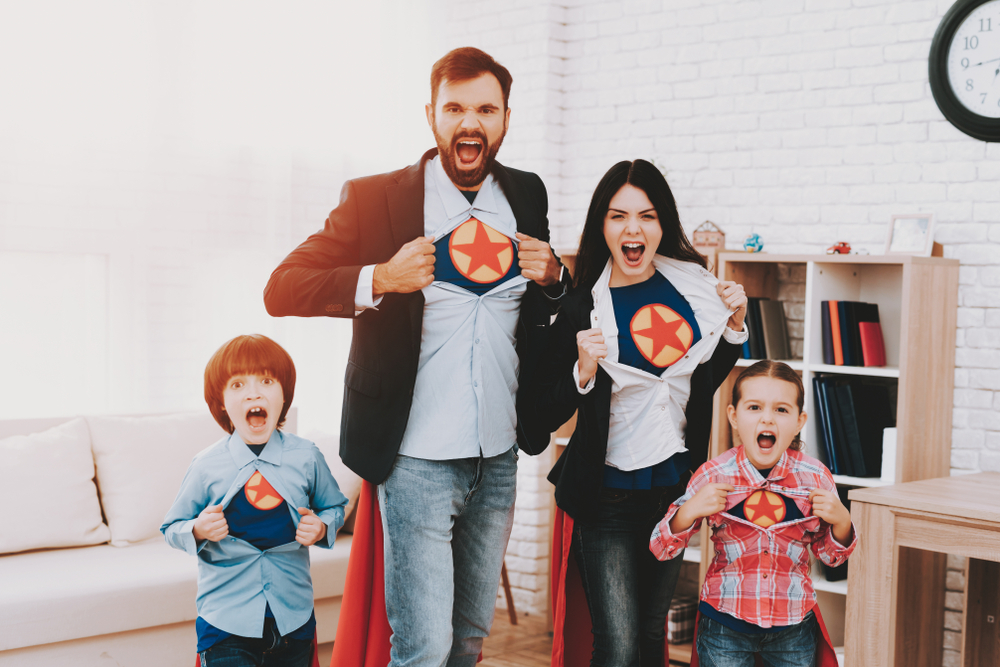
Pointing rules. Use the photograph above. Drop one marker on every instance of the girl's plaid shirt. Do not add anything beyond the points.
(759, 575)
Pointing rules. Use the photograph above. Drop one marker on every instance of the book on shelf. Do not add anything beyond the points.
(852, 334)
(772, 320)
(838, 349)
(757, 349)
(853, 413)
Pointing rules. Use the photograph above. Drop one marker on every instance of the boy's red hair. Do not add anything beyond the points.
(251, 354)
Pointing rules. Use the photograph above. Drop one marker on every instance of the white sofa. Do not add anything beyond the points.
(86, 578)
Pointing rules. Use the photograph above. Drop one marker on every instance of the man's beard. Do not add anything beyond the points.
(449, 157)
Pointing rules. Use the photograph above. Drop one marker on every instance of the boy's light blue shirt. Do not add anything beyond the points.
(236, 580)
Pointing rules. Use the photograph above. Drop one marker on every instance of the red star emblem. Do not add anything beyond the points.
(661, 335)
(764, 508)
(479, 252)
(260, 493)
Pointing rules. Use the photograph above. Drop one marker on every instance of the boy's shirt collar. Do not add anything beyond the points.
(242, 455)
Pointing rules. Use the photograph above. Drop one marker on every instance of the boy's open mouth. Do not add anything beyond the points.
(633, 251)
(257, 417)
(468, 151)
(766, 440)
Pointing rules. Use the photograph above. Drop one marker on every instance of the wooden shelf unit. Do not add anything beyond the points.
(918, 304)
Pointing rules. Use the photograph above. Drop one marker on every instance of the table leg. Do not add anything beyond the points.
(869, 635)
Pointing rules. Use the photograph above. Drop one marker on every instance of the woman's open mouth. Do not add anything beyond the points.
(632, 252)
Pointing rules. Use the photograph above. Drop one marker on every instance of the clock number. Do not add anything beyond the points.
(968, 84)
(986, 23)
(971, 42)
(983, 95)
(965, 63)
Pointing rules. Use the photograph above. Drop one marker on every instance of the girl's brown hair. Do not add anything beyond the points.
(778, 371)
(252, 354)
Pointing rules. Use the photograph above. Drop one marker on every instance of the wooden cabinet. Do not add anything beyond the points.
(917, 300)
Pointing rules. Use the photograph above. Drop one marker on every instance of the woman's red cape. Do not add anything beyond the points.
(572, 639)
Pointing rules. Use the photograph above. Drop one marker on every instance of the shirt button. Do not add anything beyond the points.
(765, 576)
(267, 587)
(662, 408)
(475, 383)
(477, 341)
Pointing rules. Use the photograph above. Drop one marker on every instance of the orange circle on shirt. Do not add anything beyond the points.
(661, 335)
(479, 252)
(764, 508)
(260, 493)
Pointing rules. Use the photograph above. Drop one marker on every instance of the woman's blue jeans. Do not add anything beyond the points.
(271, 650)
(718, 646)
(628, 590)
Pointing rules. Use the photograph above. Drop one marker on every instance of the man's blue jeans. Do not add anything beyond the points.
(446, 526)
(271, 650)
(718, 646)
(628, 591)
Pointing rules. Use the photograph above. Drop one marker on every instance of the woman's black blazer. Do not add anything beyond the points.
(578, 474)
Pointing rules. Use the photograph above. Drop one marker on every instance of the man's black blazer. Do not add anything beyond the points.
(375, 217)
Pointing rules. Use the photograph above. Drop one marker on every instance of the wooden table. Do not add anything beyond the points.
(895, 601)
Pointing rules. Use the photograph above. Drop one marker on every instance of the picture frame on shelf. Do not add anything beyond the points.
(910, 234)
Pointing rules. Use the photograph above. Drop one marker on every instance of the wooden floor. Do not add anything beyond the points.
(527, 644)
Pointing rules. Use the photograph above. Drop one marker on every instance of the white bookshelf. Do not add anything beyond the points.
(917, 300)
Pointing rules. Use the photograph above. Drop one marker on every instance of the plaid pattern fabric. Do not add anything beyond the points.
(759, 575)
(680, 620)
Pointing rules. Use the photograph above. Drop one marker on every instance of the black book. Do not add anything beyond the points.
(757, 349)
(837, 427)
(828, 357)
(836, 458)
(873, 409)
(849, 421)
(838, 573)
(772, 318)
(823, 426)
(846, 337)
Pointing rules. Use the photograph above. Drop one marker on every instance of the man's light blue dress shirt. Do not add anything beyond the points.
(236, 580)
(463, 398)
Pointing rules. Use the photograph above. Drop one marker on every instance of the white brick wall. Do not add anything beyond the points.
(806, 121)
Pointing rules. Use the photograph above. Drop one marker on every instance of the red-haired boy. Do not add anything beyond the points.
(249, 507)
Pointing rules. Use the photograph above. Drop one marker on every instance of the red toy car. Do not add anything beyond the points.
(839, 248)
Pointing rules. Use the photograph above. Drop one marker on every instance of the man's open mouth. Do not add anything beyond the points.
(633, 252)
(257, 417)
(468, 151)
(766, 440)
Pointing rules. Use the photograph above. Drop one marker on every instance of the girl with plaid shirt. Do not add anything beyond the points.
(767, 504)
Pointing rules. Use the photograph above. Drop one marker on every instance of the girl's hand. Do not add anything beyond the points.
(710, 499)
(734, 298)
(590, 347)
(827, 506)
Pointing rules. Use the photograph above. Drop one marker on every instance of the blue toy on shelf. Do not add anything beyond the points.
(753, 243)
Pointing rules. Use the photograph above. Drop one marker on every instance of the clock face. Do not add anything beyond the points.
(973, 61)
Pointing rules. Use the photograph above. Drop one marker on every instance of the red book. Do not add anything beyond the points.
(838, 350)
(872, 343)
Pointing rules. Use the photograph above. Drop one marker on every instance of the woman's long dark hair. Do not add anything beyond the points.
(593, 254)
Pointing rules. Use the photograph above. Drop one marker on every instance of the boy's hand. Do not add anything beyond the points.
(710, 499)
(211, 524)
(827, 506)
(311, 528)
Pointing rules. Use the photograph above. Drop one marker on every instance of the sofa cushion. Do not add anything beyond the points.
(348, 480)
(50, 480)
(140, 464)
(50, 596)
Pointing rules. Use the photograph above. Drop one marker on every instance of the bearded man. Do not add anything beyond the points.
(446, 268)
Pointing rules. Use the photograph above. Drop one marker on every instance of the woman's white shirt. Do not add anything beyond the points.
(647, 421)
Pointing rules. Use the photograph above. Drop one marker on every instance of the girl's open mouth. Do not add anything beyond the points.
(633, 252)
(766, 441)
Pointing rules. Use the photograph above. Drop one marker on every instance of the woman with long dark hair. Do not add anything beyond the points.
(639, 348)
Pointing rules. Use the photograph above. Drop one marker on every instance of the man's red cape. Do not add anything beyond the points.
(572, 638)
(363, 628)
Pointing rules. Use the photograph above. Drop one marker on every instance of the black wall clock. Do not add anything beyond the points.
(965, 67)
